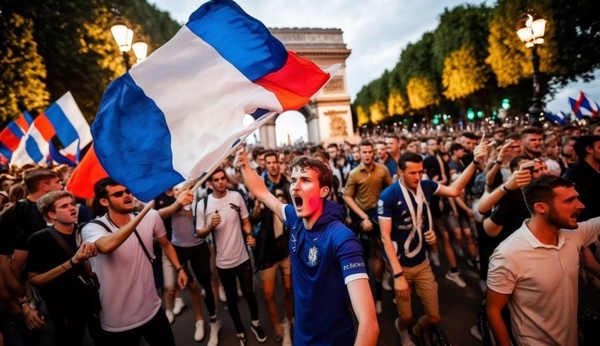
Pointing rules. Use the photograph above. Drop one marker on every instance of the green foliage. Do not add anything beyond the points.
(477, 58)
(22, 73)
(78, 51)
(463, 74)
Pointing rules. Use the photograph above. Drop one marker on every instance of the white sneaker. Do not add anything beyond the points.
(170, 316)
(455, 277)
(213, 339)
(378, 306)
(385, 282)
(179, 305)
(405, 338)
(435, 259)
(199, 333)
(222, 296)
(287, 337)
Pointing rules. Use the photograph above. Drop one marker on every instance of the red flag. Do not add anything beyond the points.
(85, 175)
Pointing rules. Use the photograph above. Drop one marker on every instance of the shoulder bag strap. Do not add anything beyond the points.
(61, 241)
(137, 235)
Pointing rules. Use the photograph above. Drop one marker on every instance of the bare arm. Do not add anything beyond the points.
(169, 251)
(257, 186)
(517, 180)
(495, 303)
(454, 190)
(185, 197)
(85, 251)
(364, 309)
(111, 242)
(491, 228)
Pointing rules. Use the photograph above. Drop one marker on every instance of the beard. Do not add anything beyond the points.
(559, 222)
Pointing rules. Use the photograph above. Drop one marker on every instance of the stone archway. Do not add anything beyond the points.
(328, 115)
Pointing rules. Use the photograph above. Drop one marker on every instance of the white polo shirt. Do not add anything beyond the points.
(542, 281)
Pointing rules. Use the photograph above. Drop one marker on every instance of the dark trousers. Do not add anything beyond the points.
(156, 332)
(199, 257)
(243, 273)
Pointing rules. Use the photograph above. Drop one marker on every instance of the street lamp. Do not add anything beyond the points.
(124, 38)
(531, 29)
(140, 48)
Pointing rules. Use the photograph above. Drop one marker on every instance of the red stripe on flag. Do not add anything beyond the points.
(22, 122)
(295, 82)
(45, 127)
(85, 175)
(578, 103)
(8, 138)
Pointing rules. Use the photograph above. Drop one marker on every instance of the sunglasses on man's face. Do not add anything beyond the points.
(119, 194)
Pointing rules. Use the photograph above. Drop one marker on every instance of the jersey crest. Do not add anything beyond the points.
(313, 256)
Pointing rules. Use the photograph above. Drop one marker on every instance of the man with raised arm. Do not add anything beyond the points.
(328, 270)
(405, 222)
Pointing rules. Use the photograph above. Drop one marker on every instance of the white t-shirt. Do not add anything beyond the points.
(229, 241)
(184, 234)
(542, 281)
(127, 292)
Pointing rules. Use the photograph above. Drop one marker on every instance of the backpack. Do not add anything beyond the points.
(478, 187)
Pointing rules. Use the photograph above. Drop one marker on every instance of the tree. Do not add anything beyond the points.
(21, 77)
(417, 69)
(508, 56)
(397, 104)
(361, 116)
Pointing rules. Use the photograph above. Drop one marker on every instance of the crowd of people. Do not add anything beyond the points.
(337, 223)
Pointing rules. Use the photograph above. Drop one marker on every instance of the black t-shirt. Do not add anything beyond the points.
(45, 253)
(164, 201)
(17, 224)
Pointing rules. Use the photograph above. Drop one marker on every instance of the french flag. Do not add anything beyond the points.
(70, 125)
(558, 118)
(11, 136)
(584, 106)
(34, 145)
(178, 114)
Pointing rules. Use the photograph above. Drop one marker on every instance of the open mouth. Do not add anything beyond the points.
(128, 201)
(575, 215)
(298, 201)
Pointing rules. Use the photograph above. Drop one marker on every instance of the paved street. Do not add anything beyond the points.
(459, 307)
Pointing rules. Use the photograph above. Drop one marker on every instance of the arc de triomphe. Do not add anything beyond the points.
(328, 115)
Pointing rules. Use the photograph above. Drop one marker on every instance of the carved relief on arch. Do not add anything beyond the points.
(337, 124)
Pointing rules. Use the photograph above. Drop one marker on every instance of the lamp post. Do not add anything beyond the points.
(531, 29)
(124, 38)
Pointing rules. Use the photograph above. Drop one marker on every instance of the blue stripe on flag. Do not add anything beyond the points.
(124, 107)
(240, 39)
(15, 129)
(28, 118)
(5, 151)
(64, 129)
(33, 150)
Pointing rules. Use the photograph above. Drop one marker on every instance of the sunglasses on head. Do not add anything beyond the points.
(120, 193)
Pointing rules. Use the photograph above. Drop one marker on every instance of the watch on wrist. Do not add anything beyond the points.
(475, 162)
(498, 162)
(398, 275)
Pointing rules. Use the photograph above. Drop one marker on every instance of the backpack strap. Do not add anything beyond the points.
(137, 235)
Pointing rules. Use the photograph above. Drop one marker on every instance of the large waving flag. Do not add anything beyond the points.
(11, 136)
(584, 106)
(70, 125)
(179, 113)
(34, 145)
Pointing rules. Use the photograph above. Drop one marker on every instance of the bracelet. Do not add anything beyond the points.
(498, 162)
(63, 267)
(398, 275)
(23, 302)
(180, 269)
(476, 163)
(505, 189)
(71, 262)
